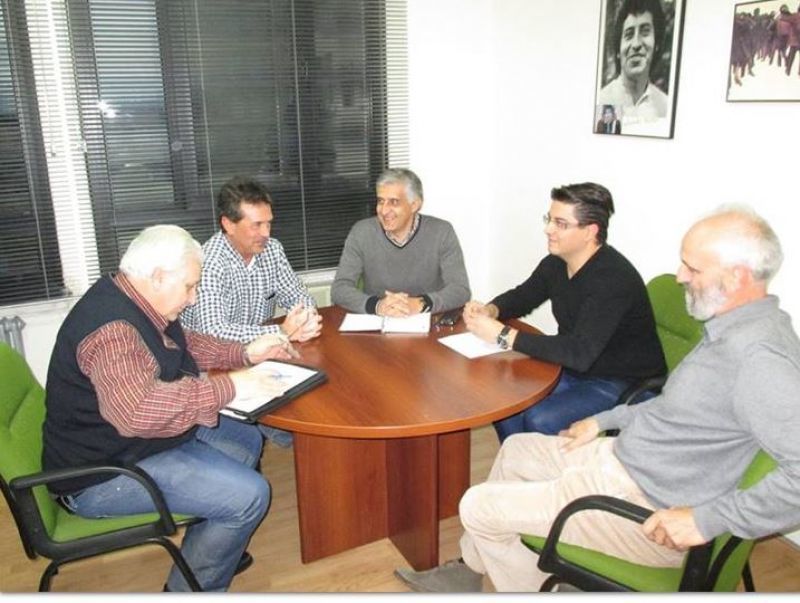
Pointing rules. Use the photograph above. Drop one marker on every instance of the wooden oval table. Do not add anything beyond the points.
(382, 448)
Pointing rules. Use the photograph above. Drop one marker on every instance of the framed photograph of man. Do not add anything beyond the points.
(637, 67)
(765, 52)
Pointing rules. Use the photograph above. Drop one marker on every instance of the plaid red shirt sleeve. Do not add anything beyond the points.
(213, 353)
(131, 396)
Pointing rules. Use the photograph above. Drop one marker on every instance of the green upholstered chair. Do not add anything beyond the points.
(716, 566)
(45, 527)
(677, 331)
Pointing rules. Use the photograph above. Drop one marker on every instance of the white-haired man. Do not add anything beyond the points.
(124, 388)
(681, 453)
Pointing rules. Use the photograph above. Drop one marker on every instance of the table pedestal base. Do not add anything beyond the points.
(354, 491)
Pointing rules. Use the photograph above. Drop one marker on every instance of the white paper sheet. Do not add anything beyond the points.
(361, 322)
(416, 323)
(470, 346)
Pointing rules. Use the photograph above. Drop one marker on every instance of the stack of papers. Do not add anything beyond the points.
(470, 346)
(418, 323)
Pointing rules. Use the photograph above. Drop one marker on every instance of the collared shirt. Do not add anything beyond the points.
(735, 393)
(652, 105)
(235, 298)
(124, 374)
(408, 237)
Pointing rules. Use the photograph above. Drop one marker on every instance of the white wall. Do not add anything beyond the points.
(502, 95)
(502, 110)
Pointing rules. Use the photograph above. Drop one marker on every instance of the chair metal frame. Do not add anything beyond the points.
(36, 541)
(24, 488)
(701, 569)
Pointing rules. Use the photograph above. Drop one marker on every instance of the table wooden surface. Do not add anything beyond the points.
(382, 448)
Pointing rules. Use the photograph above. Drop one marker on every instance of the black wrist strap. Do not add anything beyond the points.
(427, 302)
(372, 304)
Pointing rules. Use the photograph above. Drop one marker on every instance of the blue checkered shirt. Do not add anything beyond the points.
(234, 299)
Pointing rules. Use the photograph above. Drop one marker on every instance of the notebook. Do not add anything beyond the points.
(416, 323)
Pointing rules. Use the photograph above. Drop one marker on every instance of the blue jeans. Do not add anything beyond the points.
(279, 437)
(209, 476)
(574, 398)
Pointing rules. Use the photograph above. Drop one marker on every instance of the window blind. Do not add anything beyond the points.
(30, 266)
(176, 97)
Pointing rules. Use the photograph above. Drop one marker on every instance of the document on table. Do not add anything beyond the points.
(361, 322)
(470, 346)
(294, 379)
(417, 323)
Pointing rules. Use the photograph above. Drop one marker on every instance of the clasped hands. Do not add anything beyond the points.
(399, 304)
(674, 528)
(301, 323)
(481, 320)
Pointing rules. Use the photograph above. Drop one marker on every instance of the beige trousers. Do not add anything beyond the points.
(530, 482)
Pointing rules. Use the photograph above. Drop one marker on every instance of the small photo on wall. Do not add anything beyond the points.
(637, 67)
(765, 52)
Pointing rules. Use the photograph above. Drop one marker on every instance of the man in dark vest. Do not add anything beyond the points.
(124, 388)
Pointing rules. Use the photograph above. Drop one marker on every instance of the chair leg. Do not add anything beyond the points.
(47, 576)
(179, 560)
(747, 578)
(549, 584)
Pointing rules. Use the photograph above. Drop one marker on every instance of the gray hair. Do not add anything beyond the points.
(163, 246)
(405, 177)
(750, 242)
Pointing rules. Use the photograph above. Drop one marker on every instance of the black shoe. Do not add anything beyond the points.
(245, 562)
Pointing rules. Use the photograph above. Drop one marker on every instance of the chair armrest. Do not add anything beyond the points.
(599, 502)
(24, 485)
(631, 393)
(551, 561)
(699, 557)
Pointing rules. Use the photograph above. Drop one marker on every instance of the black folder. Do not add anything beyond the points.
(315, 378)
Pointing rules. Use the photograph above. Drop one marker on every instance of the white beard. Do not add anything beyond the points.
(705, 303)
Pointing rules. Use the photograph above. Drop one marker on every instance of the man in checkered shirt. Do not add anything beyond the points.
(246, 274)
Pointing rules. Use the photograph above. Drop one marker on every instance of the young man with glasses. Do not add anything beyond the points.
(606, 336)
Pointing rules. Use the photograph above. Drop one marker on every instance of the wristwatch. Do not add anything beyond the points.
(427, 304)
(502, 337)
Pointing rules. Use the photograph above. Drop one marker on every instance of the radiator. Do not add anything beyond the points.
(11, 332)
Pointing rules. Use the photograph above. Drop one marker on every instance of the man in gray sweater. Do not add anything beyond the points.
(405, 262)
(681, 453)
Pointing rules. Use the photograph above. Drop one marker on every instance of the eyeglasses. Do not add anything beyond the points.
(560, 223)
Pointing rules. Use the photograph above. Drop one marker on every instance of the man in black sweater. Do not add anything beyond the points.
(606, 331)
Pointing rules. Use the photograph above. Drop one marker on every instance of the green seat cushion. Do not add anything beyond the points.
(71, 527)
(642, 578)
